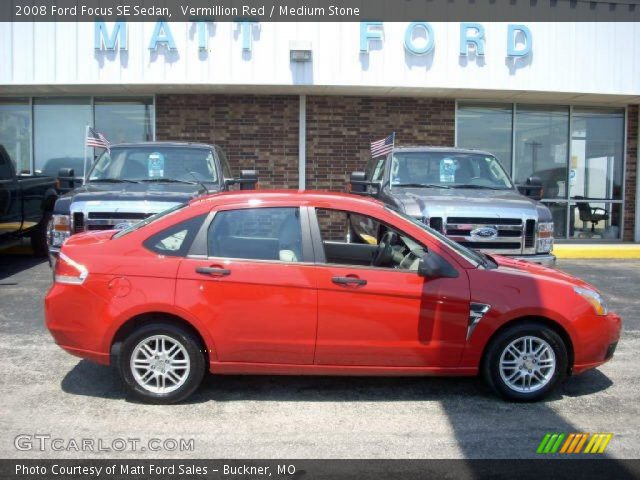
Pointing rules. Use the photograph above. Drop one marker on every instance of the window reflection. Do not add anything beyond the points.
(596, 153)
(123, 120)
(486, 127)
(541, 147)
(15, 131)
(59, 129)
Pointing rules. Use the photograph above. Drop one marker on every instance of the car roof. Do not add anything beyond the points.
(163, 144)
(239, 197)
(427, 148)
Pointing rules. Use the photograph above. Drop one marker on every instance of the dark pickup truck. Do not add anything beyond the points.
(136, 180)
(26, 204)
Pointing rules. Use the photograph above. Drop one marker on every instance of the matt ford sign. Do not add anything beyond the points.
(420, 38)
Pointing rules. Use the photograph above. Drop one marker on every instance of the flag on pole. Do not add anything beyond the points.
(382, 147)
(96, 139)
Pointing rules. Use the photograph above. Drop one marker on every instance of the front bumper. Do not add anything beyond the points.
(546, 260)
(597, 341)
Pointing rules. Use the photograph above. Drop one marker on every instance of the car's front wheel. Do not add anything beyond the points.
(161, 363)
(525, 362)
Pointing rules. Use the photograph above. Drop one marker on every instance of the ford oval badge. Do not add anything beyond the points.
(122, 225)
(484, 233)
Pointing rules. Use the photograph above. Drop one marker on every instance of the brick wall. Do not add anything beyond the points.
(258, 132)
(632, 172)
(340, 129)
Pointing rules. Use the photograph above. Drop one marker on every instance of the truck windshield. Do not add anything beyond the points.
(448, 170)
(155, 163)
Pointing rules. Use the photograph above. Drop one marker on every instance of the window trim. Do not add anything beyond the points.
(199, 246)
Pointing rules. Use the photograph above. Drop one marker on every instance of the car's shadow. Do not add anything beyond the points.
(90, 379)
(11, 265)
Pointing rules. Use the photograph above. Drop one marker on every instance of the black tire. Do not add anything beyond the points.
(192, 347)
(493, 354)
(39, 243)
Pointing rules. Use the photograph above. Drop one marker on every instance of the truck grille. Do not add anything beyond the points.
(78, 222)
(108, 220)
(514, 235)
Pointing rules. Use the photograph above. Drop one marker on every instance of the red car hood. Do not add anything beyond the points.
(540, 271)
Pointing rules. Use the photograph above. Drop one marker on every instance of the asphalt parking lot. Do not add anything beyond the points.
(46, 391)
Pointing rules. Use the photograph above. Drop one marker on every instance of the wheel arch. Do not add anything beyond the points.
(547, 322)
(142, 319)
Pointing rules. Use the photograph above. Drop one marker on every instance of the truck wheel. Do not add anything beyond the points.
(161, 363)
(525, 362)
(39, 243)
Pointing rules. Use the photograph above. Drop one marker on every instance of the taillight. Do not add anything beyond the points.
(69, 271)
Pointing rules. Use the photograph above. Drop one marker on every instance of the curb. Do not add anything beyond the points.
(595, 250)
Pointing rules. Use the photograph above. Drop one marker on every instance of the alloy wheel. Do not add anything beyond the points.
(527, 364)
(160, 364)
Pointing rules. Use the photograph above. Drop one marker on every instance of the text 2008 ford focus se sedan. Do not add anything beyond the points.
(315, 283)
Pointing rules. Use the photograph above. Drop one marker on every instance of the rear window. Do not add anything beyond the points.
(176, 240)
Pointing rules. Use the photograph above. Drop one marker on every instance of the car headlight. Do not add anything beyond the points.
(545, 237)
(594, 298)
(59, 229)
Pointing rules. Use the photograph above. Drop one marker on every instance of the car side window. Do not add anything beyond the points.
(256, 234)
(350, 238)
(176, 240)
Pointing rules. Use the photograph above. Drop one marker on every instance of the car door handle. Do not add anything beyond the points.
(214, 271)
(348, 281)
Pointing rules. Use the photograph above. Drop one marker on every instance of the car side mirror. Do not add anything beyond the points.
(359, 185)
(532, 188)
(66, 173)
(433, 266)
(66, 178)
(248, 180)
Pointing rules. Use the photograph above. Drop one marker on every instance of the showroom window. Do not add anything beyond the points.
(484, 126)
(123, 120)
(59, 128)
(576, 152)
(15, 131)
(45, 134)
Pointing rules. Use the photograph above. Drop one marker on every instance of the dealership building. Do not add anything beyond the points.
(301, 102)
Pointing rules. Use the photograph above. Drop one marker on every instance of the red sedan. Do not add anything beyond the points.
(315, 283)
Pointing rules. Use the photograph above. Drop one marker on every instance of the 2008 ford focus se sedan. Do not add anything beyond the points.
(315, 283)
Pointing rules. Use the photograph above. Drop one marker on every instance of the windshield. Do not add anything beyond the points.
(155, 163)
(448, 170)
(470, 255)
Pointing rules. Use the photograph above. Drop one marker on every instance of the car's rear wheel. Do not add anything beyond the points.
(525, 362)
(161, 363)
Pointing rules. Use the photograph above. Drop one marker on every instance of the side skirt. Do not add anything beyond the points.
(241, 368)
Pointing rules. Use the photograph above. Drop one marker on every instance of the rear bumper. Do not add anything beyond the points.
(546, 260)
(75, 318)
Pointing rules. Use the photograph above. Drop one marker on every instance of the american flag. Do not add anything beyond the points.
(96, 139)
(382, 147)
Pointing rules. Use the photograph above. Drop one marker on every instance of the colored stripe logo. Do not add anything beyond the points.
(573, 443)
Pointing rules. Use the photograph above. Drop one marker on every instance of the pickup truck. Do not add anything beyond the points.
(133, 181)
(466, 195)
(26, 203)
